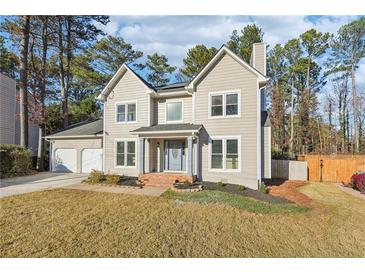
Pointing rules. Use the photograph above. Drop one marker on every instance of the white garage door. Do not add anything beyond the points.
(91, 158)
(65, 160)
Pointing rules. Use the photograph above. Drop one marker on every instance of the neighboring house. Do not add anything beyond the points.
(213, 128)
(9, 116)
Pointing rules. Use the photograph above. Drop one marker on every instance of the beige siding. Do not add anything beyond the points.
(259, 50)
(129, 88)
(266, 152)
(160, 109)
(230, 75)
(78, 144)
(7, 110)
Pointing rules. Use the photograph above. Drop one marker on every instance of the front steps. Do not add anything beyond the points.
(163, 179)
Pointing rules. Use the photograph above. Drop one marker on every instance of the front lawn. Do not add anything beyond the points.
(75, 223)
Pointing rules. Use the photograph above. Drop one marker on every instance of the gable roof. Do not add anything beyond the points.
(123, 69)
(86, 128)
(225, 50)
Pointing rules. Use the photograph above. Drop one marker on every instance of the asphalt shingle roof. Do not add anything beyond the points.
(89, 127)
(168, 127)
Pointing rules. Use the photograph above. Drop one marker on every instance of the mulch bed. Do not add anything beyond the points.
(289, 191)
(234, 189)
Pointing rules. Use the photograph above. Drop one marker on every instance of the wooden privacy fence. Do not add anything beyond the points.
(336, 168)
(289, 170)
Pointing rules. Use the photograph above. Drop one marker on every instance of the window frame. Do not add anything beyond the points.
(224, 151)
(224, 95)
(125, 140)
(182, 111)
(125, 103)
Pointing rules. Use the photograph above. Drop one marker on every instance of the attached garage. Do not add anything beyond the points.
(79, 148)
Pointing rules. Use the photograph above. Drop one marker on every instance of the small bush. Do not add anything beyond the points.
(263, 189)
(281, 155)
(112, 179)
(358, 182)
(96, 177)
(221, 184)
(241, 188)
(15, 161)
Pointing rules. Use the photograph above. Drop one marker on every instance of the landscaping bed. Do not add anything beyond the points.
(289, 190)
(244, 191)
(99, 178)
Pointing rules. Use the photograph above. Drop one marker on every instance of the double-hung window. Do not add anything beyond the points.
(126, 112)
(174, 112)
(224, 104)
(125, 153)
(225, 153)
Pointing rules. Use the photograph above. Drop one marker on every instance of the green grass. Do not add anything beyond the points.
(234, 200)
(76, 223)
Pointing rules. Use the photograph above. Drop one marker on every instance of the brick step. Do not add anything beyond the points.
(163, 179)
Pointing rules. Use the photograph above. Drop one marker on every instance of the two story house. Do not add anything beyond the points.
(213, 128)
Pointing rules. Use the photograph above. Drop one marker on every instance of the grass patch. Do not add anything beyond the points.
(75, 223)
(234, 200)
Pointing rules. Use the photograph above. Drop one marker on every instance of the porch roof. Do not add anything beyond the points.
(168, 128)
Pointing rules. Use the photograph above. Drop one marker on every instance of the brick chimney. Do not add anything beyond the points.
(258, 57)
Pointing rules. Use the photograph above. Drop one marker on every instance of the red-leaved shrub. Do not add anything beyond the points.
(358, 182)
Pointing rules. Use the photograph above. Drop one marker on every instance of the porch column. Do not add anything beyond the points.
(190, 157)
(196, 158)
(141, 156)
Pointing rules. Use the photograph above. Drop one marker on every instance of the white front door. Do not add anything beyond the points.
(64, 160)
(174, 155)
(91, 158)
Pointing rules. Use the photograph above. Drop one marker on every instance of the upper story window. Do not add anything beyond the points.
(126, 112)
(224, 104)
(174, 112)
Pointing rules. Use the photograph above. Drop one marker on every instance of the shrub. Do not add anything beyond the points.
(96, 177)
(241, 188)
(15, 161)
(281, 155)
(358, 182)
(221, 184)
(112, 179)
(263, 189)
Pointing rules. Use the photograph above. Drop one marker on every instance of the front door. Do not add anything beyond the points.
(174, 155)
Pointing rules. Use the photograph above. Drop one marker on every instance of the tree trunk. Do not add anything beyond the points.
(64, 94)
(355, 110)
(23, 84)
(42, 88)
(291, 120)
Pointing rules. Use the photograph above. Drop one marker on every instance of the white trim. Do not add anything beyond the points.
(258, 129)
(182, 111)
(125, 152)
(169, 94)
(224, 94)
(104, 137)
(224, 144)
(166, 131)
(253, 55)
(193, 107)
(116, 104)
(75, 137)
(216, 58)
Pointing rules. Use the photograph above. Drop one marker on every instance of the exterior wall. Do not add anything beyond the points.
(266, 152)
(129, 88)
(160, 109)
(78, 144)
(7, 109)
(259, 57)
(230, 75)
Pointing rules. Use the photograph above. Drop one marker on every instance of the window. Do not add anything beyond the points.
(125, 153)
(224, 104)
(174, 112)
(224, 153)
(126, 112)
(217, 154)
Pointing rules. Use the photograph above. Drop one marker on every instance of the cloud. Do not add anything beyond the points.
(174, 35)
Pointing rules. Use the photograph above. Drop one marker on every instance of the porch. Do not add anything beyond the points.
(167, 153)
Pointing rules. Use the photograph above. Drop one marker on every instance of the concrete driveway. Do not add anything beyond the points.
(38, 182)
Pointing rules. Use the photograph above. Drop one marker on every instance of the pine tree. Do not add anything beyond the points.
(158, 69)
